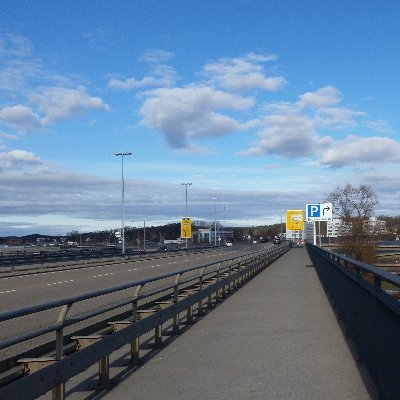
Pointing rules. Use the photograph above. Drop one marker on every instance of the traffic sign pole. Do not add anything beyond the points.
(315, 234)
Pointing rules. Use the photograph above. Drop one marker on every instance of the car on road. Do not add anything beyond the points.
(229, 244)
(277, 240)
(163, 248)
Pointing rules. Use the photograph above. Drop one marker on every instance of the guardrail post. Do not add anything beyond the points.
(135, 341)
(229, 276)
(175, 320)
(200, 303)
(377, 282)
(59, 390)
(218, 276)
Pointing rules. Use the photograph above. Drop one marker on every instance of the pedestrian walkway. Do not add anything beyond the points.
(276, 338)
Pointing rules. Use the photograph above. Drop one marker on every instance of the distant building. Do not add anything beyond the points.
(336, 227)
(208, 235)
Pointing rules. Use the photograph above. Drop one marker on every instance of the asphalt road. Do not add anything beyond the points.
(40, 287)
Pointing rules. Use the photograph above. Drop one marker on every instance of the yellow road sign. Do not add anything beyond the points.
(295, 220)
(186, 228)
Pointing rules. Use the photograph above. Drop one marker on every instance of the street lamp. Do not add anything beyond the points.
(186, 209)
(215, 222)
(123, 197)
(186, 185)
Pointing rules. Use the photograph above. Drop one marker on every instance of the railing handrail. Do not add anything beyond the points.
(8, 315)
(384, 275)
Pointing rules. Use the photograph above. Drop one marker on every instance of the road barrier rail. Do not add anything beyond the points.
(211, 281)
(367, 301)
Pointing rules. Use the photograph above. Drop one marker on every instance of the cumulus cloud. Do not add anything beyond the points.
(288, 135)
(292, 130)
(58, 103)
(160, 74)
(187, 113)
(37, 95)
(240, 74)
(360, 150)
(18, 159)
(20, 118)
(324, 97)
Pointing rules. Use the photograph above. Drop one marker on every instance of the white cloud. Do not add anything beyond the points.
(324, 97)
(380, 126)
(337, 117)
(157, 56)
(289, 135)
(20, 118)
(243, 73)
(356, 150)
(58, 103)
(291, 130)
(18, 159)
(160, 75)
(189, 113)
(132, 83)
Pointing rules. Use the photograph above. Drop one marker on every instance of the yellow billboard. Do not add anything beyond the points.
(186, 228)
(295, 220)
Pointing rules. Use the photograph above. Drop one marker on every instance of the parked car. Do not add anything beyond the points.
(229, 244)
(163, 248)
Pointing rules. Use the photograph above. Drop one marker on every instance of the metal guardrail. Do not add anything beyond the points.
(366, 299)
(11, 260)
(213, 279)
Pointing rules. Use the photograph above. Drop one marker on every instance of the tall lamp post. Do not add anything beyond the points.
(123, 197)
(186, 208)
(215, 222)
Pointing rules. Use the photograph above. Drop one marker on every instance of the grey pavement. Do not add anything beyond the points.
(276, 338)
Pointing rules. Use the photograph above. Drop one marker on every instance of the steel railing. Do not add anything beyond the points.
(212, 279)
(366, 300)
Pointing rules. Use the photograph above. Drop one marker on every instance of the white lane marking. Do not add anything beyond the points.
(131, 270)
(186, 260)
(101, 275)
(8, 291)
(60, 282)
(157, 265)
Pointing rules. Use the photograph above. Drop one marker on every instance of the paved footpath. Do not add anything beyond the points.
(276, 338)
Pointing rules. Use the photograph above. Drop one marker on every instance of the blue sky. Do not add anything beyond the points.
(265, 105)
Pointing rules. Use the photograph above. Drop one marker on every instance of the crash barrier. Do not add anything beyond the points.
(366, 300)
(11, 260)
(210, 281)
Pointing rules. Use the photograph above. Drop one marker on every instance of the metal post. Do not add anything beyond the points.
(144, 235)
(215, 223)
(186, 207)
(319, 230)
(123, 197)
(315, 234)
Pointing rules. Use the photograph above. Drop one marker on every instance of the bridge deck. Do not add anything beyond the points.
(277, 338)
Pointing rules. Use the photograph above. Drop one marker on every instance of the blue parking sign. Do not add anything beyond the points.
(319, 212)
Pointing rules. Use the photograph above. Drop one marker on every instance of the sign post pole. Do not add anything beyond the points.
(315, 234)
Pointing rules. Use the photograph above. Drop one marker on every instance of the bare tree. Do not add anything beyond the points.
(355, 206)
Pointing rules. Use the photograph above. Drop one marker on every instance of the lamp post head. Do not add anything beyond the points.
(122, 154)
